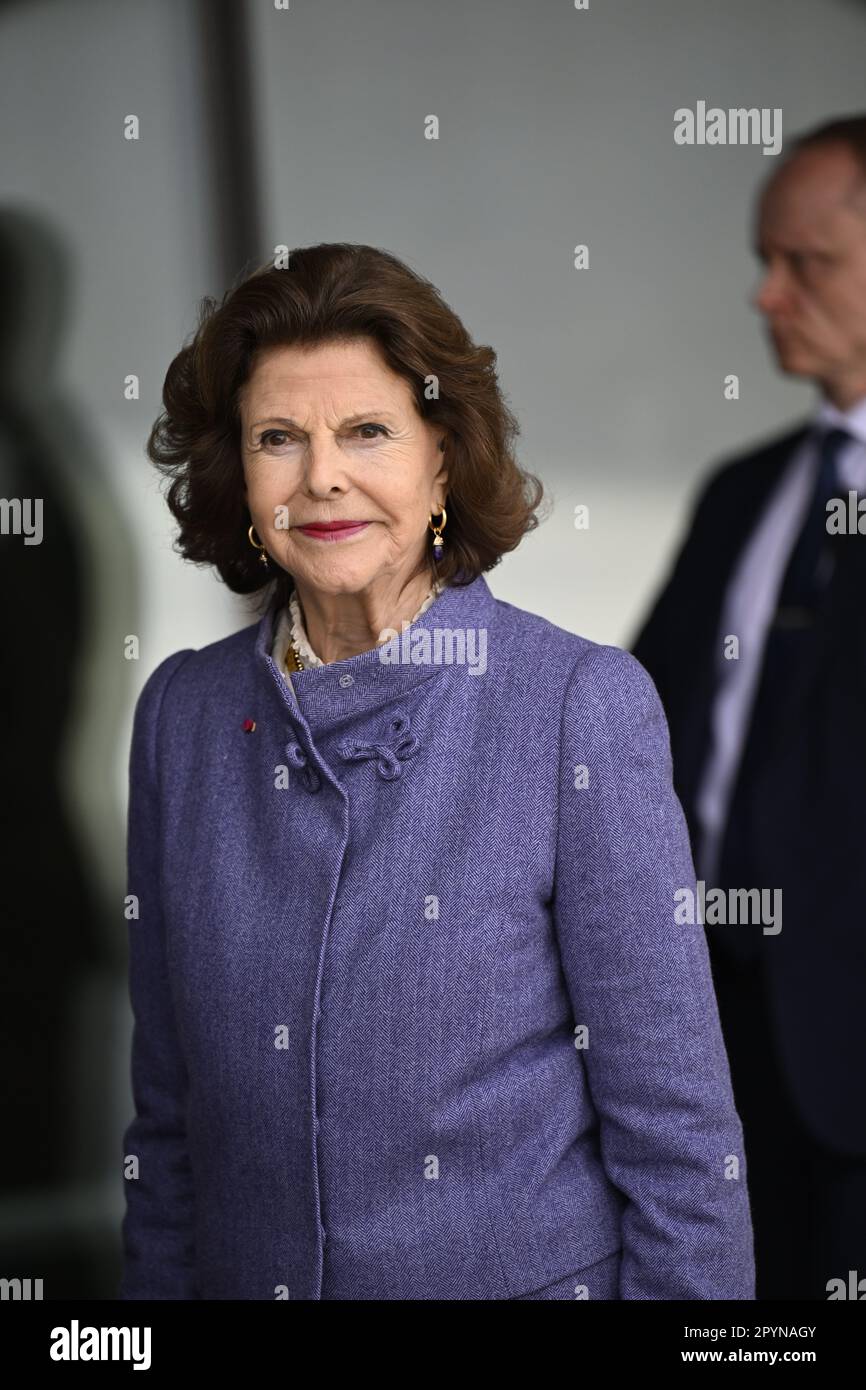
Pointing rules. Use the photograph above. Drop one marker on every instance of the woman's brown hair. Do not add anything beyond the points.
(329, 293)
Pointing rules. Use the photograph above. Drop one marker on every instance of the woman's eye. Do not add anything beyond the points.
(274, 436)
(278, 439)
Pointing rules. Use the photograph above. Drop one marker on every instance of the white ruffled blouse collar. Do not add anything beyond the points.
(290, 626)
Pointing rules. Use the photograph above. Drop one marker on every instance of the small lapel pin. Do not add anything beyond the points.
(249, 726)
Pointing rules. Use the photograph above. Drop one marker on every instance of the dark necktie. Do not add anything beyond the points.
(786, 664)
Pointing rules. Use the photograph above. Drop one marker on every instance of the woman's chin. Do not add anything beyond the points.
(333, 576)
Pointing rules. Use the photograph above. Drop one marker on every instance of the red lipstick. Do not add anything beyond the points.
(332, 530)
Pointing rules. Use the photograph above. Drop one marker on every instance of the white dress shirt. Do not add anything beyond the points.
(748, 607)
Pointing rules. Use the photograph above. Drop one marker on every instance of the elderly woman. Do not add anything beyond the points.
(414, 1018)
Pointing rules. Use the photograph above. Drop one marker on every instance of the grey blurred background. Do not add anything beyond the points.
(262, 127)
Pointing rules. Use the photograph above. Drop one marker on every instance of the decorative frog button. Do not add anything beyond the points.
(401, 744)
(299, 761)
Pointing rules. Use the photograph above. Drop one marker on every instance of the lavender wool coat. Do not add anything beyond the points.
(413, 1019)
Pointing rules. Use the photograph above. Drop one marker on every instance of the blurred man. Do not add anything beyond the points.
(757, 645)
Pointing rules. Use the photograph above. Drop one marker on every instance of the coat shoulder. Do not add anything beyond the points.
(177, 687)
(765, 456)
(208, 666)
(585, 672)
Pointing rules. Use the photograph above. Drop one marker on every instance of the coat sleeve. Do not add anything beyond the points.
(656, 1065)
(158, 1225)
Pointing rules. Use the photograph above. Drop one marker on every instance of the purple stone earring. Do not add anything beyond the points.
(437, 528)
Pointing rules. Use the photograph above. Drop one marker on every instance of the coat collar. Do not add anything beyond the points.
(342, 690)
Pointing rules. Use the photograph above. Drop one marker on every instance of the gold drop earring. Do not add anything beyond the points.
(257, 545)
(437, 529)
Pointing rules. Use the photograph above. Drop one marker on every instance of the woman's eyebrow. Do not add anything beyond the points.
(357, 419)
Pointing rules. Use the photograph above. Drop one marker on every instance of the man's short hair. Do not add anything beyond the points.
(845, 130)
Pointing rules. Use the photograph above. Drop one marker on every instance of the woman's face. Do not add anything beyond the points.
(331, 434)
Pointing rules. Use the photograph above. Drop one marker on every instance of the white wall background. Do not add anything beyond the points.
(556, 128)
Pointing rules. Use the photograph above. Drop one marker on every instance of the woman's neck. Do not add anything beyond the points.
(339, 626)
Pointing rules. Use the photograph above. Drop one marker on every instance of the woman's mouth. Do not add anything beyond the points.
(332, 530)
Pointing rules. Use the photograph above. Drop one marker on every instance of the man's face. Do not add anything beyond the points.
(811, 236)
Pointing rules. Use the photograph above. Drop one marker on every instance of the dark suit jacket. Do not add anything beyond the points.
(813, 835)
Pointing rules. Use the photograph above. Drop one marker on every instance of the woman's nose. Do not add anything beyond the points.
(324, 467)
